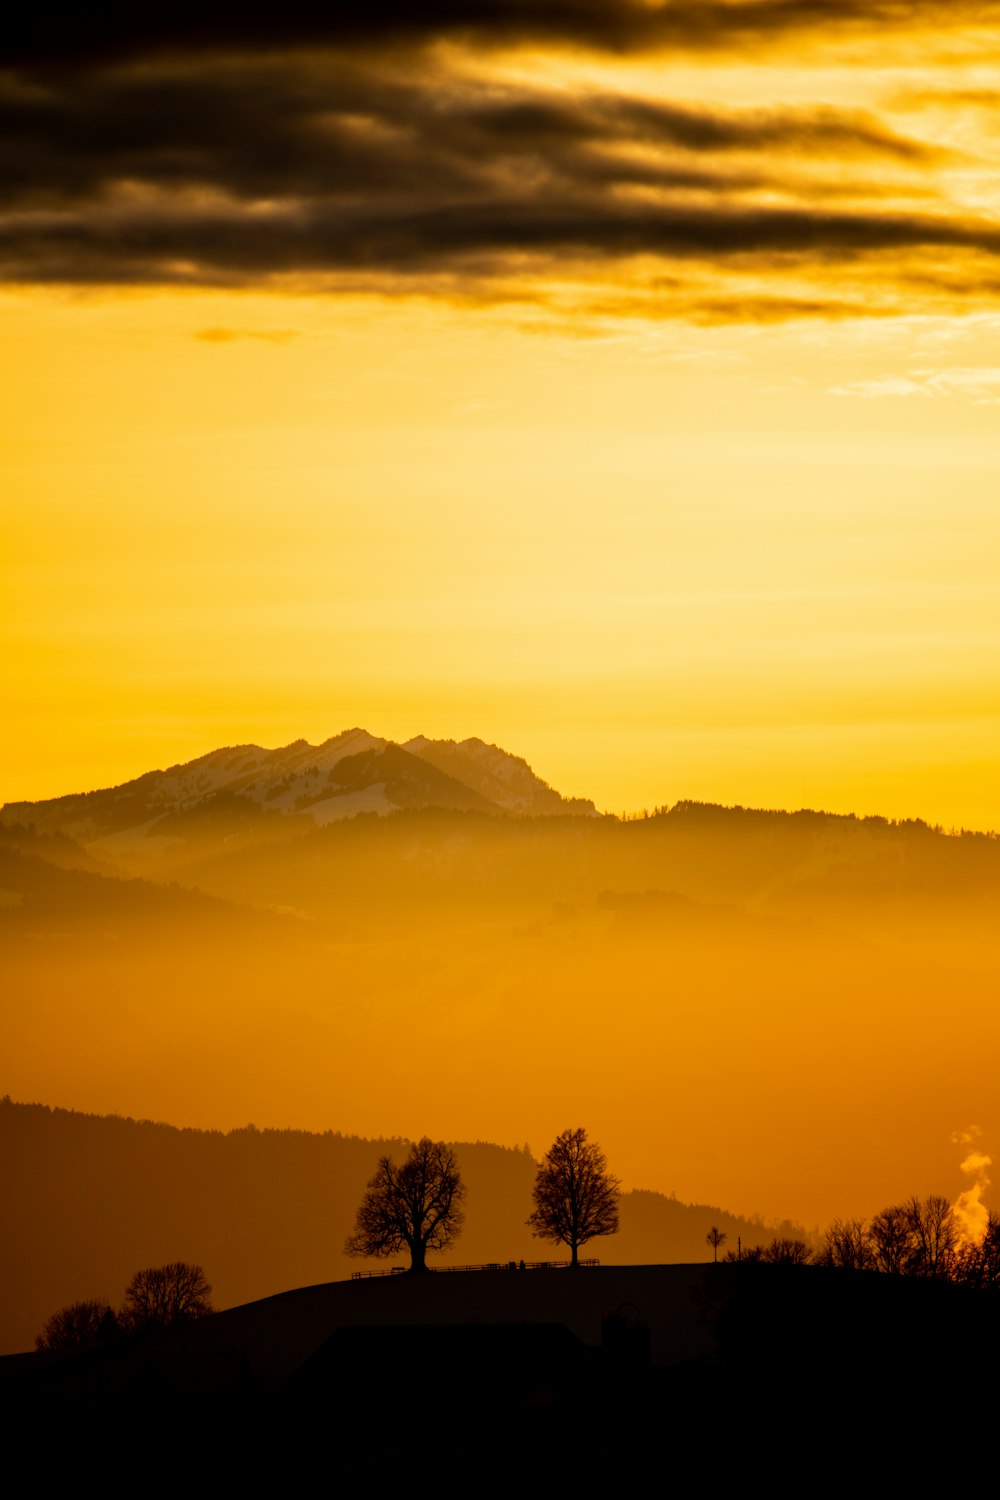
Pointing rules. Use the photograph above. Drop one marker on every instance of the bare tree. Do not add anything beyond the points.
(891, 1240)
(783, 1250)
(916, 1238)
(417, 1205)
(716, 1237)
(81, 1325)
(164, 1296)
(933, 1235)
(848, 1245)
(576, 1197)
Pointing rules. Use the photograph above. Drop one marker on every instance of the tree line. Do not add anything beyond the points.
(417, 1208)
(158, 1297)
(921, 1237)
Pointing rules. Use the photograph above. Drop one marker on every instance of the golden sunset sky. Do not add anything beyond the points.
(616, 382)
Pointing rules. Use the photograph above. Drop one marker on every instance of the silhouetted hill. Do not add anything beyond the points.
(599, 1378)
(89, 1200)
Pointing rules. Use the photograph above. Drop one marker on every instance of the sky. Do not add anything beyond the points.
(615, 382)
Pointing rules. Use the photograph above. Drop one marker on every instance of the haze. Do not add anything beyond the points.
(615, 383)
(787, 1014)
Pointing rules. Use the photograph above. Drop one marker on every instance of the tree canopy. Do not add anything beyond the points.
(163, 1296)
(80, 1325)
(417, 1206)
(916, 1238)
(576, 1197)
(714, 1238)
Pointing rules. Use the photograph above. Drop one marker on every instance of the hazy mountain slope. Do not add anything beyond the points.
(719, 994)
(502, 778)
(864, 874)
(282, 780)
(55, 848)
(407, 781)
(89, 1200)
(229, 794)
(40, 898)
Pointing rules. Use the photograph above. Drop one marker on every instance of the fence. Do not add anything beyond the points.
(489, 1265)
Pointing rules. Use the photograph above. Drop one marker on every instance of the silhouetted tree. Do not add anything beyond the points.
(916, 1238)
(933, 1236)
(890, 1239)
(783, 1250)
(743, 1254)
(847, 1245)
(164, 1296)
(418, 1205)
(81, 1325)
(715, 1237)
(576, 1197)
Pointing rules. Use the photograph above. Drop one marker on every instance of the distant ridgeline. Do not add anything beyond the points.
(88, 1199)
(73, 858)
(439, 817)
(354, 772)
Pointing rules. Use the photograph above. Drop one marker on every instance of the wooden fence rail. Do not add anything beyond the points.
(489, 1265)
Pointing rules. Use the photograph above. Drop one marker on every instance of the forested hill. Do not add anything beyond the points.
(91, 1199)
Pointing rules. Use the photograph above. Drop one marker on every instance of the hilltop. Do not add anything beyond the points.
(601, 1376)
(90, 1199)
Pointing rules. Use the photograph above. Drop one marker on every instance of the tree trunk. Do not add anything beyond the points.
(574, 1257)
(418, 1256)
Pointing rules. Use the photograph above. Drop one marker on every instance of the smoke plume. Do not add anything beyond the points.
(970, 1210)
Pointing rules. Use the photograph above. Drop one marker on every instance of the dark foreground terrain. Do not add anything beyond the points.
(786, 1376)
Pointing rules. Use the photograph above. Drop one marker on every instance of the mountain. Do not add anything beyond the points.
(503, 779)
(243, 786)
(402, 780)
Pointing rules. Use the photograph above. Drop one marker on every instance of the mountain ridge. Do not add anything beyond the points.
(350, 773)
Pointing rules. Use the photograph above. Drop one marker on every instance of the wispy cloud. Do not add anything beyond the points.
(233, 335)
(877, 390)
(977, 383)
(980, 384)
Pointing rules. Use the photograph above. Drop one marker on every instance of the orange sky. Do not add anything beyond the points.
(695, 497)
(690, 496)
(615, 382)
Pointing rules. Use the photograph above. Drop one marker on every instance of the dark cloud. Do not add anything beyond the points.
(261, 131)
(158, 144)
(219, 246)
(713, 311)
(235, 174)
(68, 35)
